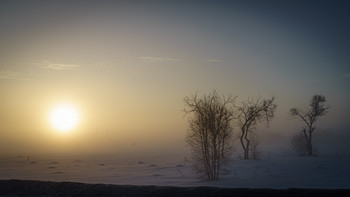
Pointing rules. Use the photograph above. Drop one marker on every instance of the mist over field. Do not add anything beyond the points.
(94, 91)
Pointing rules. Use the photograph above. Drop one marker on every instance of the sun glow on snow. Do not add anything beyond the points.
(64, 117)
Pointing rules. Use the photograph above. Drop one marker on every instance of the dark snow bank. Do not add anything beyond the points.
(12, 188)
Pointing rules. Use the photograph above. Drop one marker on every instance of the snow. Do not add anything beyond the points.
(271, 171)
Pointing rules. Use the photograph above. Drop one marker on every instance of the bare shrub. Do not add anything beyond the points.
(254, 148)
(299, 144)
(210, 132)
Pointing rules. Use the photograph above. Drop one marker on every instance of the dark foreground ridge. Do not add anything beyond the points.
(12, 188)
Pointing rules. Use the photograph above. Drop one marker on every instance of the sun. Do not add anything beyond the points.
(64, 117)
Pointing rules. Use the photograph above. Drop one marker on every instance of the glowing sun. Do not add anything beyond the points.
(64, 117)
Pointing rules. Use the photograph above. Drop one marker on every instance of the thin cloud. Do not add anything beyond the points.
(56, 66)
(159, 59)
(12, 75)
(213, 60)
(347, 76)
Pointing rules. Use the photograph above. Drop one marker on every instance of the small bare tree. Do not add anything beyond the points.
(310, 117)
(255, 141)
(249, 114)
(299, 144)
(210, 132)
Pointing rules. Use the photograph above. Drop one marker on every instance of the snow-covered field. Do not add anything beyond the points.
(271, 171)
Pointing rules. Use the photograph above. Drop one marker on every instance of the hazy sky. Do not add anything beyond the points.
(127, 65)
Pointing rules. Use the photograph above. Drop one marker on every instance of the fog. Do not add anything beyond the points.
(126, 67)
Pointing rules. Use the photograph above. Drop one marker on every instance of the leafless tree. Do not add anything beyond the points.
(310, 116)
(249, 114)
(210, 132)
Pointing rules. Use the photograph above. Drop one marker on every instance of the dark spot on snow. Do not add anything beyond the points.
(179, 165)
(33, 162)
(156, 175)
(58, 172)
(51, 167)
(141, 162)
(153, 166)
(101, 164)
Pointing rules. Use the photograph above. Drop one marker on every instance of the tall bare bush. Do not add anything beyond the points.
(210, 132)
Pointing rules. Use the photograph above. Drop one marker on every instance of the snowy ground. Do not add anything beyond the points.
(271, 171)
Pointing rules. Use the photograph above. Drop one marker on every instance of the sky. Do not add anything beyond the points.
(127, 65)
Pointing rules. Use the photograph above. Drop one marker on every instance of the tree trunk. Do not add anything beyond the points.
(246, 154)
(309, 144)
(245, 144)
(245, 148)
